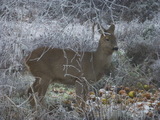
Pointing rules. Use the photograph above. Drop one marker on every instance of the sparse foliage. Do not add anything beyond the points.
(28, 24)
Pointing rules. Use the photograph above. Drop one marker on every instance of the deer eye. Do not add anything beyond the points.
(107, 39)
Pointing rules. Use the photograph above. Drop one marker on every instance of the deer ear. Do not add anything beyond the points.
(104, 31)
(111, 29)
(100, 29)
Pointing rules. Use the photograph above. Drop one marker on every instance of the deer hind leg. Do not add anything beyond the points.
(39, 87)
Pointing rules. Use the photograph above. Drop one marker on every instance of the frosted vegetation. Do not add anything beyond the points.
(28, 24)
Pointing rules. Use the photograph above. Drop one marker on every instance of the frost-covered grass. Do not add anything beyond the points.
(14, 84)
(137, 61)
(142, 47)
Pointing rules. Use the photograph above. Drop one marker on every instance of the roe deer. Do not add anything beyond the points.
(49, 65)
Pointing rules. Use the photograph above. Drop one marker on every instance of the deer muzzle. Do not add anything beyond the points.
(115, 48)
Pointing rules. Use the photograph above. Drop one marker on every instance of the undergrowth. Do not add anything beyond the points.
(136, 65)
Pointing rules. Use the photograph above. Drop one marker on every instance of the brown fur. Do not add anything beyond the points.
(50, 65)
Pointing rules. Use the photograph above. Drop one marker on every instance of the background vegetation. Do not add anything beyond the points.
(28, 24)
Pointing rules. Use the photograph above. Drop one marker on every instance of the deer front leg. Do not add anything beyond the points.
(81, 93)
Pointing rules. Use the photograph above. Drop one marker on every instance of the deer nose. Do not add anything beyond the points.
(115, 48)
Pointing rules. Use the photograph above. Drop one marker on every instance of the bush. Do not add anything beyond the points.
(26, 25)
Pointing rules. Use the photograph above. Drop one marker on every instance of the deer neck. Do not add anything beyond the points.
(101, 58)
